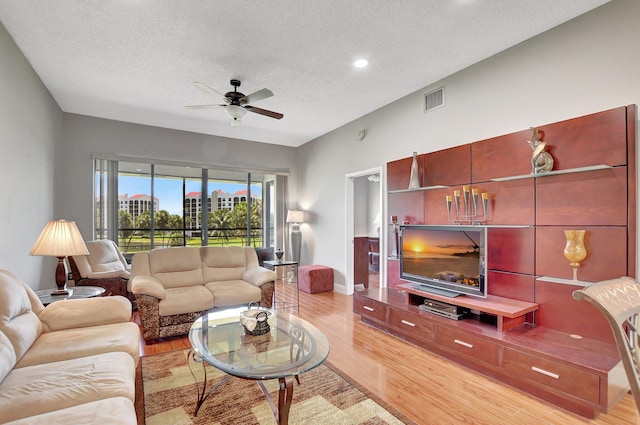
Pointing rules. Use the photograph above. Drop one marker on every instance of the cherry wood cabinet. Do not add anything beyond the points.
(560, 350)
(582, 375)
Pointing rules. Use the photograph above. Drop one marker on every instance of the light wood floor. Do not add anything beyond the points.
(425, 387)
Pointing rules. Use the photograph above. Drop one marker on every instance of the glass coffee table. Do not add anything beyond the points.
(291, 347)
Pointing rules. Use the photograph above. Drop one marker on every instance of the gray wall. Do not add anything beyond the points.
(30, 130)
(584, 66)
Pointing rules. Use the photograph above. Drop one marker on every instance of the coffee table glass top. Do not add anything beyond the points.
(291, 347)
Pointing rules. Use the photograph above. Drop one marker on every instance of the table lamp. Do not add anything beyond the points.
(60, 238)
(295, 217)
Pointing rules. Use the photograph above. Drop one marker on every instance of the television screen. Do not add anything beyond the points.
(447, 260)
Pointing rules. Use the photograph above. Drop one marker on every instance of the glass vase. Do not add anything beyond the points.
(574, 250)
(414, 180)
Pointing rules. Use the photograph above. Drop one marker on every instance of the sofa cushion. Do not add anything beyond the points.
(44, 388)
(185, 300)
(176, 267)
(7, 356)
(112, 411)
(233, 292)
(224, 262)
(81, 342)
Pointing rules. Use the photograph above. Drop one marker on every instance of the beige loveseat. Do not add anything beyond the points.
(175, 286)
(71, 362)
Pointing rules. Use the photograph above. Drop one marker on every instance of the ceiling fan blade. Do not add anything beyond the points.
(254, 97)
(264, 112)
(204, 87)
(204, 106)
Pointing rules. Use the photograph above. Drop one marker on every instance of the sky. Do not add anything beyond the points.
(169, 191)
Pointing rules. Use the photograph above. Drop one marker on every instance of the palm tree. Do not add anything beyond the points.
(219, 225)
(125, 222)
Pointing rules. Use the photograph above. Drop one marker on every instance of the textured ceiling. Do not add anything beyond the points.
(135, 60)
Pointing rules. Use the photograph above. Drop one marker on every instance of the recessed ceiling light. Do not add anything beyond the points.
(361, 63)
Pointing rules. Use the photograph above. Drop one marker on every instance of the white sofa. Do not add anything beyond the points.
(71, 362)
(175, 286)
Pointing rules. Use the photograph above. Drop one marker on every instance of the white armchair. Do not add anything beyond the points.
(105, 266)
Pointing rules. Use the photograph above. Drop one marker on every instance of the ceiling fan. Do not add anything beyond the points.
(236, 103)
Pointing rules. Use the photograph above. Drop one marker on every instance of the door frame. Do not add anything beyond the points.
(349, 224)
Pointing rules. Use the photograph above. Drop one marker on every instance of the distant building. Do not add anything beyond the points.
(137, 204)
(218, 200)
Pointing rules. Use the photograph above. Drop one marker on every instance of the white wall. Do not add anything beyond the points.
(30, 128)
(584, 66)
(86, 135)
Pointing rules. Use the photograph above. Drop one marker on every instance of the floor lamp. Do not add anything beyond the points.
(294, 218)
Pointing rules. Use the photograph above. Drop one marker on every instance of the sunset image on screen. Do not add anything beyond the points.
(446, 255)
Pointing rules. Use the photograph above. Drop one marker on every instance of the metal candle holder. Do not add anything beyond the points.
(468, 212)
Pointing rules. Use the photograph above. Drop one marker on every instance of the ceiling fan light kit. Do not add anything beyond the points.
(237, 104)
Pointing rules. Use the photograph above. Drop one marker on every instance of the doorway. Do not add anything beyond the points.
(365, 209)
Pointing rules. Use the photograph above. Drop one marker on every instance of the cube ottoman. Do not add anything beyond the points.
(316, 278)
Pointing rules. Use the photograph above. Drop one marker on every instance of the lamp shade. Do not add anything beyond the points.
(60, 238)
(295, 216)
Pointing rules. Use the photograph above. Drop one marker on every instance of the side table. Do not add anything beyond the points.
(280, 296)
(74, 292)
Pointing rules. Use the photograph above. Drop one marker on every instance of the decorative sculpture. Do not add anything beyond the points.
(541, 161)
(468, 212)
(414, 180)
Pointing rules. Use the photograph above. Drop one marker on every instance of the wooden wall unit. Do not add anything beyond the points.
(526, 222)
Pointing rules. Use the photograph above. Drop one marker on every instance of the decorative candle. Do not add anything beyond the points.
(456, 193)
(465, 188)
(485, 196)
(474, 191)
(448, 198)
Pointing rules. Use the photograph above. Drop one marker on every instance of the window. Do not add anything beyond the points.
(144, 206)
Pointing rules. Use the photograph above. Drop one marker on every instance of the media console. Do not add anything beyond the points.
(579, 374)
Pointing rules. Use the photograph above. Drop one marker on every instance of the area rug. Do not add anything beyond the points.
(323, 397)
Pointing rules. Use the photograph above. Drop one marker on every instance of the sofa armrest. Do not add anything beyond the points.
(147, 285)
(85, 312)
(257, 276)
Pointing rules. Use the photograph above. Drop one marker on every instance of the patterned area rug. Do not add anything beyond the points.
(323, 397)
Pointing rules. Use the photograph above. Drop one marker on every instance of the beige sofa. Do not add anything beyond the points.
(175, 286)
(71, 362)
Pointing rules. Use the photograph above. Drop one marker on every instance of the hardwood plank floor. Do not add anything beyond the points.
(423, 386)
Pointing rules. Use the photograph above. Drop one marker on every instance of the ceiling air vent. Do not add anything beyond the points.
(434, 99)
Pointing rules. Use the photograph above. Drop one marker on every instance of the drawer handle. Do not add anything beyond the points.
(408, 323)
(545, 372)
(366, 307)
(464, 344)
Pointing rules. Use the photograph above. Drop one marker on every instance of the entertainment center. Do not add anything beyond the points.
(528, 331)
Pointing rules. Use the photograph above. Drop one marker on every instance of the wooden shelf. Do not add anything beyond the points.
(418, 189)
(509, 312)
(563, 281)
(553, 173)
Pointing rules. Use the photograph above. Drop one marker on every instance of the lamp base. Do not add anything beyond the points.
(61, 292)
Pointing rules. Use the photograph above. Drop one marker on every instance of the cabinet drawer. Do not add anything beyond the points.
(583, 385)
(411, 323)
(468, 344)
(370, 308)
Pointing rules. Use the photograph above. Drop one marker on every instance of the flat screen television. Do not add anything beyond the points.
(445, 260)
